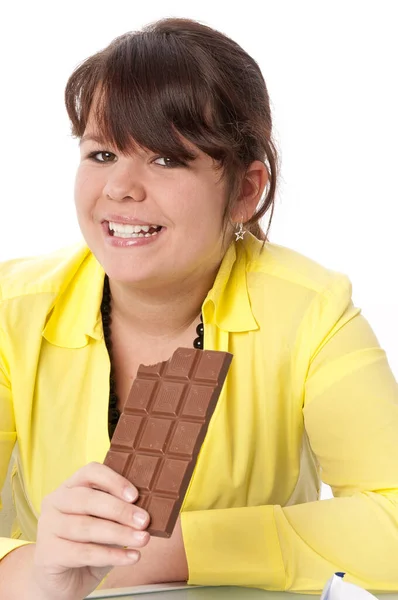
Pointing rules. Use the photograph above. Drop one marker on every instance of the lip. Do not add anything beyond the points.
(126, 220)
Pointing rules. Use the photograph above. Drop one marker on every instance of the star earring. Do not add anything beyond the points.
(240, 231)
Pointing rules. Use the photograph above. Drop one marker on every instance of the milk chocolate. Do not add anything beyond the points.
(162, 427)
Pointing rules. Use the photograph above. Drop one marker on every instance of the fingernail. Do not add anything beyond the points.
(140, 519)
(130, 494)
(132, 555)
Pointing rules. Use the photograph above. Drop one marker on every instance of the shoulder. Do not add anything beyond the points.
(291, 285)
(284, 270)
(281, 264)
(47, 273)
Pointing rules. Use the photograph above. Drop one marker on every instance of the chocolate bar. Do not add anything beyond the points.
(162, 427)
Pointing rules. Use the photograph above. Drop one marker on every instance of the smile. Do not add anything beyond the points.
(122, 230)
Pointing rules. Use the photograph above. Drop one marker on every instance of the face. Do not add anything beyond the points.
(147, 220)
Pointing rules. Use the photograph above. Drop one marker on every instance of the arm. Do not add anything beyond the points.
(15, 561)
(7, 437)
(351, 419)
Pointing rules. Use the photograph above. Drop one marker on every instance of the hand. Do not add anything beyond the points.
(83, 530)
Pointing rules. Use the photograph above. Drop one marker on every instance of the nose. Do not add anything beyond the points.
(123, 184)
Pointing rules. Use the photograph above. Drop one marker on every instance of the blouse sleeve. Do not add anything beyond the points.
(351, 419)
(7, 437)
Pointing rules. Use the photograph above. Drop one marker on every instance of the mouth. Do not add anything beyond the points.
(121, 230)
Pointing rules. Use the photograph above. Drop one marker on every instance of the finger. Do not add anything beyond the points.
(86, 501)
(72, 555)
(82, 528)
(101, 477)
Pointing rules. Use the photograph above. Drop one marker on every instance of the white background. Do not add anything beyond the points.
(331, 71)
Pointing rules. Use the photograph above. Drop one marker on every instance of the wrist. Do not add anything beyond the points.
(17, 575)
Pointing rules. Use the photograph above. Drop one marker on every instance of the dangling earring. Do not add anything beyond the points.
(240, 231)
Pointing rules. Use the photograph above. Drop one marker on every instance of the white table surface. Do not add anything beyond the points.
(184, 592)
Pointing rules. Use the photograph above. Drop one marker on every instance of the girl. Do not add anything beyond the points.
(177, 168)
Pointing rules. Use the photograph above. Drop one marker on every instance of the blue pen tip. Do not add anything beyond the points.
(340, 574)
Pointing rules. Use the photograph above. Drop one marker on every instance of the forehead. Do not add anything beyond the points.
(132, 133)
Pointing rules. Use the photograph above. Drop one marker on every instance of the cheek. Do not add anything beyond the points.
(200, 206)
(86, 189)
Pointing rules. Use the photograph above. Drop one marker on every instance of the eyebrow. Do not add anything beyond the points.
(91, 138)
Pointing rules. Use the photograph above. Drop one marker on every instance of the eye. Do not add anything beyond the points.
(171, 163)
(106, 156)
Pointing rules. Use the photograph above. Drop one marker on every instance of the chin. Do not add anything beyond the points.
(129, 276)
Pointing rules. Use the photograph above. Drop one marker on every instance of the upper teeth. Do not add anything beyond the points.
(122, 228)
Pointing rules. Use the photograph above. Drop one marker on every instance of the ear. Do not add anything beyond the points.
(253, 185)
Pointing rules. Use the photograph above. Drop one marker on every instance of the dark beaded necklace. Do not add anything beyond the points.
(113, 411)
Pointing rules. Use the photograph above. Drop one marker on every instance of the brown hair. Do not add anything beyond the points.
(177, 77)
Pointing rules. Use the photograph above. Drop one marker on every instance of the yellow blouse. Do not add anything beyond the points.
(309, 396)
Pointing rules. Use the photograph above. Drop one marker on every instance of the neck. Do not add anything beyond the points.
(160, 313)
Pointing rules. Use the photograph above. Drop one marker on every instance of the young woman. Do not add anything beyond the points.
(177, 168)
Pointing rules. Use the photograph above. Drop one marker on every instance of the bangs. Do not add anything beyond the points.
(147, 92)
